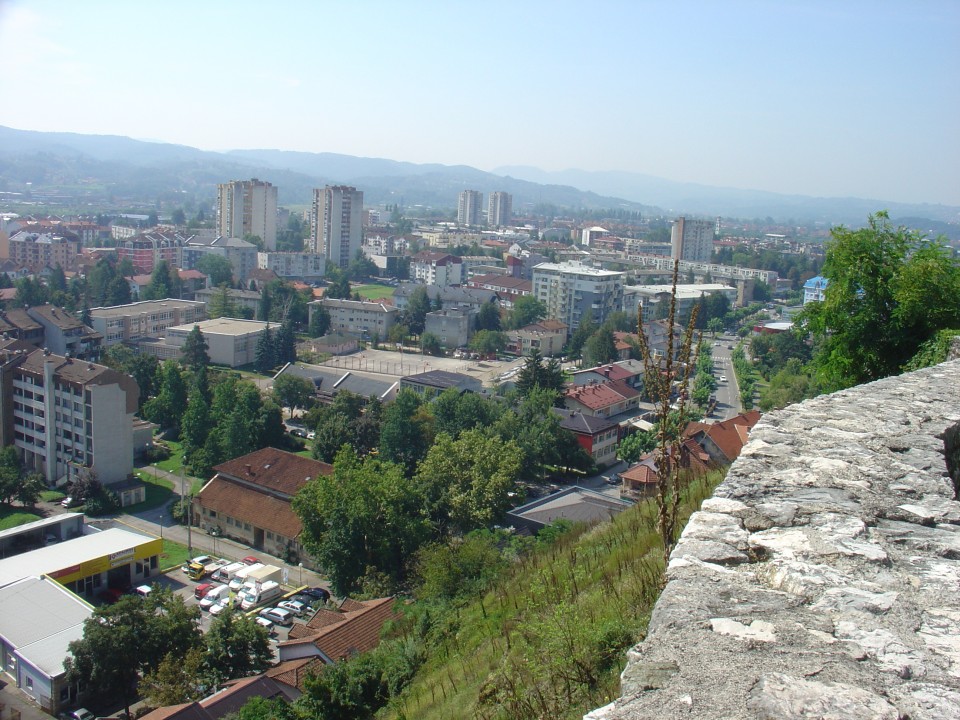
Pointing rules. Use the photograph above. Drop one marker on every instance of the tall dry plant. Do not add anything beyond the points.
(660, 379)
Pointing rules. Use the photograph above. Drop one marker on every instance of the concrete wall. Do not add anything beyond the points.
(822, 580)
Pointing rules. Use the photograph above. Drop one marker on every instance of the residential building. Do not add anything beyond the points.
(336, 224)
(598, 436)
(474, 265)
(64, 334)
(190, 282)
(499, 209)
(576, 504)
(691, 240)
(469, 207)
(724, 440)
(293, 265)
(145, 319)
(241, 254)
(433, 382)
(654, 300)
(242, 299)
(249, 500)
(334, 636)
(226, 701)
(39, 250)
(571, 290)
(546, 336)
(231, 341)
(626, 371)
(363, 318)
(248, 207)
(64, 414)
(507, 287)
(433, 268)
(602, 399)
(815, 289)
(451, 297)
(588, 235)
(17, 324)
(640, 480)
(451, 327)
(146, 250)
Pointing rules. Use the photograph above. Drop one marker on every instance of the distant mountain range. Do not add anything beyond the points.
(96, 166)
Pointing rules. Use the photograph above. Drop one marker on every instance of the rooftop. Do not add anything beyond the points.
(577, 269)
(223, 326)
(358, 631)
(576, 504)
(274, 470)
(684, 292)
(142, 307)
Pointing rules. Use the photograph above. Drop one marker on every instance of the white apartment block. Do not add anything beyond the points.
(357, 317)
(144, 319)
(230, 341)
(336, 223)
(248, 207)
(499, 209)
(570, 290)
(469, 208)
(63, 415)
(432, 268)
(691, 240)
(295, 265)
(653, 299)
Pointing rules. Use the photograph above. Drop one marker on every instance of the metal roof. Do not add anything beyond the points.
(51, 521)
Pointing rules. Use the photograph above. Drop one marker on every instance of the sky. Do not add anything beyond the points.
(830, 98)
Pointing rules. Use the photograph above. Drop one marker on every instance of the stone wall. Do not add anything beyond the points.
(822, 579)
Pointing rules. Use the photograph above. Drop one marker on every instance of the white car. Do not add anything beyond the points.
(723, 378)
(278, 616)
(214, 596)
(294, 606)
(265, 624)
(221, 605)
(199, 560)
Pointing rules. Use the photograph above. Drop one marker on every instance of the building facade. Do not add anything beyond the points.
(469, 207)
(691, 240)
(64, 334)
(570, 291)
(289, 265)
(146, 250)
(248, 207)
(451, 327)
(241, 254)
(336, 223)
(231, 342)
(358, 317)
(499, 209)
(39, 250)
(63, 415)
(144, 319)
(433, 268)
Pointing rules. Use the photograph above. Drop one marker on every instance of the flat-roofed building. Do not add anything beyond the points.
(249, 299)
(293, 265)
(248, 207)
(654, 300)
(231, 341)
(434, 268)
(358, 317)
(145, 319)
(570, 291)
(547, 337)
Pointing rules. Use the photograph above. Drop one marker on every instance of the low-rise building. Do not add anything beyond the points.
(334, 636)
(546, 336)
(241, 254)
(507, 287)
(16, 323)
(64, 334)
(451, 327)
(363, 318)
(293, 265)
(145, 250)
(242, 299)
(145, 319)
(433, 382)
(576, 504)
(249, 500)
(654, 300)
(230, 341)
(602, 399)
(598, 436)
(450, 297)
(814, 289)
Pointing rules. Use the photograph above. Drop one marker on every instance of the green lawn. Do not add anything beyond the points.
(373, 292)
(159, 490)
(11, 517)
(174, 463)
(51, 495)
(174, 555)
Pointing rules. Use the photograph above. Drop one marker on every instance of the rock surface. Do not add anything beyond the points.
(822, 580)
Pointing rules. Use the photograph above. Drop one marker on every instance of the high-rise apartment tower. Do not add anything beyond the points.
(499, 209)
(691, 240)
(248, 207)
(469, 209)
(336, 223)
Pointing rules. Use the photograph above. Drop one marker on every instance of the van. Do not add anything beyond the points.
(214, 596)
(226, 573)
(252, 596)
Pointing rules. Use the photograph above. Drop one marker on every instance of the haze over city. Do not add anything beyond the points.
(817, 98)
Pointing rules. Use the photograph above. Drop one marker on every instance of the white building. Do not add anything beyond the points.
(499, 209)
(358, 317)
(301, 266)
(570, 290)
(654, 299)
(63, 414)
(248, 207)
(433, 268)
(691, 240)
(336, 223)
(230, 341)
(144, 319)
(469, 207)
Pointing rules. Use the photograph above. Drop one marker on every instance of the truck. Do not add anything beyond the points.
(265, 574)
(226, 573)
(240, 576)
(258, 595)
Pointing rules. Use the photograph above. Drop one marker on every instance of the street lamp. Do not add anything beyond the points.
(300, 566)
(160, 523)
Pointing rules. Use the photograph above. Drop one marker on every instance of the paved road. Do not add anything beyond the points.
(728, 392)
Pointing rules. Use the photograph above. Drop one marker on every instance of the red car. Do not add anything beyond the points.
(202, 589)
(251, 560)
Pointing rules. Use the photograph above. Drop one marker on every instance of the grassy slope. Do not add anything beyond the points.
(12, 517)
(551, 610)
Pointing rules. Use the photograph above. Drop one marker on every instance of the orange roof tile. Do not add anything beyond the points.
(358, 632)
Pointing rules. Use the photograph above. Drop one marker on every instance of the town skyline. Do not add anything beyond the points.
(814, 99)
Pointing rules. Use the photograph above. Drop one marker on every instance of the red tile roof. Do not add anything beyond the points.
(241, 502)
(274, 470)
(729, 436)
(358, 632)
(601, 395)
(294, 672)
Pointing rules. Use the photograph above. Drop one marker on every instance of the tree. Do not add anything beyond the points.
(889, 291)
(585, 329)
(178, 217)
(167, 407)
(196, 424)
(293, 392)
(195, 347)
(159, 287)
(489, 317)
(11, 469)
(222, 303)
(406, 433)
(361, 266)
(29, 489)
(468, 481)
(601, 347)
(488, 342)
(636, 444)
(455, 412)
(319, 321)
(236, 647)
(534, 374)
(265, 358)
(286, 343)
(367, 514)
(118, 291)
(338, 284)
(526, 311)
(430, 345)
(418, 305)
(177, 680)
(217, 268)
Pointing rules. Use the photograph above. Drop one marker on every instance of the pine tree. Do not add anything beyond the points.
(195, 348)
(265, 359)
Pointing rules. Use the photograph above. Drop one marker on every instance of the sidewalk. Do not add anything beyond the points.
(13, 701)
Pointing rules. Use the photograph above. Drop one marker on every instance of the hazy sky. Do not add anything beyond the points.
(819, 98)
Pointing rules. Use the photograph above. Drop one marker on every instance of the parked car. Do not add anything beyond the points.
(266, 624)
(78, 714)
(202, 589)
(307, 600)
(294, 606)
(278, 616)
(143, 590)
(110, 595)
(221, 605)
(214, 596)
(68, 502)
(317, 592)
(251, 560)
(198, 560)
(723, 378)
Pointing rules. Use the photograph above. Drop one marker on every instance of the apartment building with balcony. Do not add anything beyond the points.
(248, 207)
(293, 265)
(66, 335)
(571, 290)
(145, 319)
(433, 268)
(146, 250)
(358, 317)
(37, 250)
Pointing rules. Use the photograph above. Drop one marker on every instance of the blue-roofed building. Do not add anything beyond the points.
(814, 289)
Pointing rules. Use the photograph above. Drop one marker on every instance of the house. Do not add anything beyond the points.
(576, 504)
(724, 440)
(640, 479)
(335, 344)
(602, 399)
(433, 382)
(507, 287)
(815, 289)
(334, 636)
(596, 435)
(249, 500)
(227, 701)
(292, 673)
(547, 336)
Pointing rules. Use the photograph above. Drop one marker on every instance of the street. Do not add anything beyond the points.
(728, 392)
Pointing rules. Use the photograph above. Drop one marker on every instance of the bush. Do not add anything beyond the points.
(156, 453)
(105, 502)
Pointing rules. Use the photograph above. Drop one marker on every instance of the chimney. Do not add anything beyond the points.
(249, 468)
